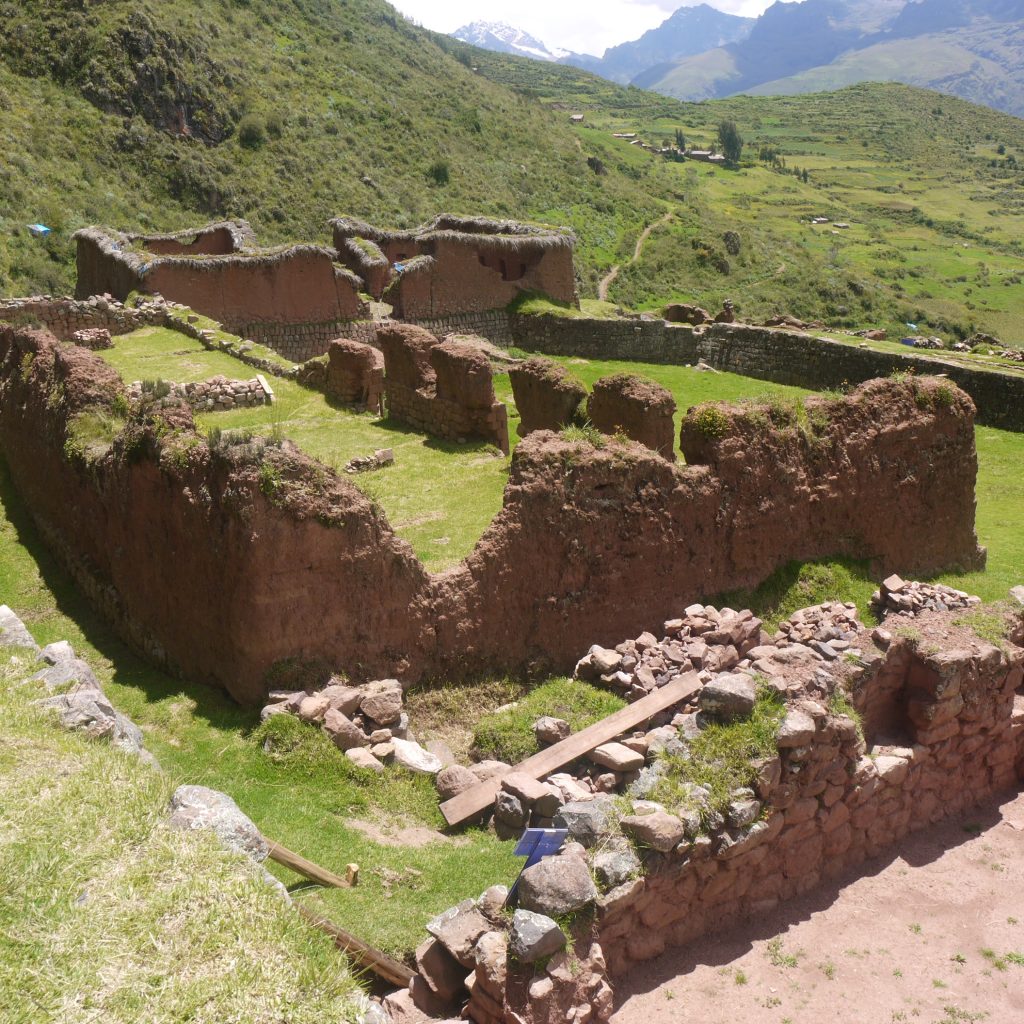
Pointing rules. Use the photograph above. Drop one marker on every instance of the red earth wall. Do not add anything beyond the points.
(204, 571)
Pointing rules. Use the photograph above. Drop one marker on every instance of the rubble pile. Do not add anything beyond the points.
(367, 723)
(365, 463)
(898, 597)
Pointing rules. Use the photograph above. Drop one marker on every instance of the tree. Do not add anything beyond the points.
(731, 141)
(680, 139)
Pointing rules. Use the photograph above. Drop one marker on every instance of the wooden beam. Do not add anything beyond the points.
(360, 952)
(308, 869)
(473, 801)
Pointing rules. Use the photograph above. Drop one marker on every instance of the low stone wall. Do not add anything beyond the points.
(787, 357)
(641, 409)
(782, 356)
(494, 325)
(63, 317)
(670, 861)
(216, 394)
(444, 388)
(640, 340)
(546, 395)
(301, 342)
(355, 374)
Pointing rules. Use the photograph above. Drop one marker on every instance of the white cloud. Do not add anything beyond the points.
(586, 26)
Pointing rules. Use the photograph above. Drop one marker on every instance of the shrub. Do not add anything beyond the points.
(252, 131)
(439, 172)
(710, 421)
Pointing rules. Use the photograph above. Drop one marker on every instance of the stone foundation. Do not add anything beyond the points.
(216, 394)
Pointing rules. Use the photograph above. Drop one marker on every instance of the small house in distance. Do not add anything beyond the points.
(576, 118)
(705, 156)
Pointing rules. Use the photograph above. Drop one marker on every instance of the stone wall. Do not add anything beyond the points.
(302, 341)
(444, 388)
(176, 541)
(546, 395)
(785, 357)
(639, 340)
(641, 409)
(670, 861)
(65, 316)
(494, 325)
(355, 374)
(214, 395)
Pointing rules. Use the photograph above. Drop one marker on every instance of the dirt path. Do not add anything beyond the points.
(609, 279)
(921, 937)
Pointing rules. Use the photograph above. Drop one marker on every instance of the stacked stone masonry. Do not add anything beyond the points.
(216, 394)
(944, 732)
(785, 357)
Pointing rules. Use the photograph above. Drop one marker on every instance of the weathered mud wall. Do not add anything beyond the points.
(355, 374)
(212, 574)
(639, 408)
(546, 395)
(444, 388)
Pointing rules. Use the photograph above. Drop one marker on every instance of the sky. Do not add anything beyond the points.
(585, 26)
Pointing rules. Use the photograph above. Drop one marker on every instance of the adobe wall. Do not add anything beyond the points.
(177, 543)
(295, 299)
(215, 240)
(355, 374)
(444, 388)
(470, 275)
(641, 409)
(546, 395)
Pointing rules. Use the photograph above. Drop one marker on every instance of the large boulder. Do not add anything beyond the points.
(13, 632)
(382, 701)
(556, 886)
(88, 711)
(197, 807)
(728, 697)
(586, 820)
(411, 756)
(73, 673)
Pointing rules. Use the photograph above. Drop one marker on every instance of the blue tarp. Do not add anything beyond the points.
(39, 230)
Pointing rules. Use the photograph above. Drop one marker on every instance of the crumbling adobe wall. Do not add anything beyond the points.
(190, 553)
(639, 408)
(212, 240)
(547, 396)
(210, 572)
(826, 470)
(442, 388)
(355, 374)
(466, 274)
(269, 295)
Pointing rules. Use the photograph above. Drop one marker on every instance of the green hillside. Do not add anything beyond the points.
(156, 116)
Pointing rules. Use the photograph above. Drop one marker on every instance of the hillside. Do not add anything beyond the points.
(928, 184)
(156, 115)
(145, 118)
(967, 48)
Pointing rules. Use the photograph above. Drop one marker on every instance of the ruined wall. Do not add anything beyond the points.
(205, 571)
(827, 805)
(442, 388)
(295, 299)
(641, 409)
(546, 395)
(218, 393)
(785, 357)
(215, 240)
(64, 317)
(466, 274)
(355, 374)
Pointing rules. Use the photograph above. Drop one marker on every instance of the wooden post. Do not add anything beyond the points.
(476, 799)
(362, 953)
(308, 869)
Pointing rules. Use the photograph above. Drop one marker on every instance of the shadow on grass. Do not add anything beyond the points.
(128, 668)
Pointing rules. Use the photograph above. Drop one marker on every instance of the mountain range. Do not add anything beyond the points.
(968, 48)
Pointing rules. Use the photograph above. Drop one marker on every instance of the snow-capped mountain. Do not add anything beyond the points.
(496, 35)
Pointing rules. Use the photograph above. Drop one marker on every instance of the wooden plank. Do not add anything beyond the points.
(307, 868)
(361, 952)
(471, 802)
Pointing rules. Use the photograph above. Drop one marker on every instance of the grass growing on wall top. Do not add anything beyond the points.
(105, 913)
